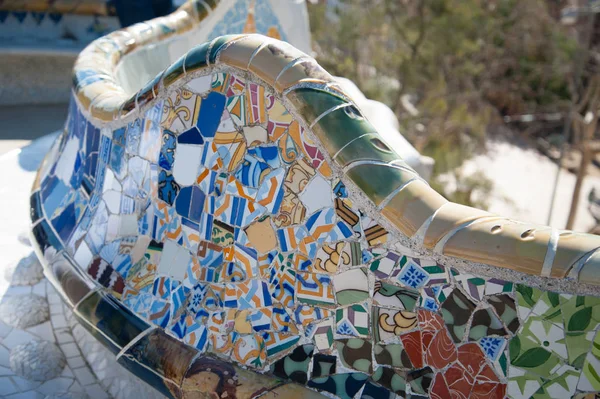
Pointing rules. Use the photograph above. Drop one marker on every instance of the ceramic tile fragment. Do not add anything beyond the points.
(484, 323)
(352, 320)
(457, 310)
(351, 286)
(262, 235)
(393, 296)
(388, 323)
(506, 309)
(295, 365)
(323, 365)
(344, 385)
(394, 380)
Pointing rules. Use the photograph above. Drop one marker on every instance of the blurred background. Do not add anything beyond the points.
(497, 92)
(499, 97)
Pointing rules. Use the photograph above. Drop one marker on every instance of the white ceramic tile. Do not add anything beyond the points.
(200, 85)
(316, 195)
(187, 161)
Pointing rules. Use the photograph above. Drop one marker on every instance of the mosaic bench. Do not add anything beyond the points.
(80, 7)
(237, 228)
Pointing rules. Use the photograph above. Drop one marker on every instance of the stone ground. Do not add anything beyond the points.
(44, 352)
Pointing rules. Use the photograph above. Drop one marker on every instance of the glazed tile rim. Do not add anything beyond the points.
(581, 253)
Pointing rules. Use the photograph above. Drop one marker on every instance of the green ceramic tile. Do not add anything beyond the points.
(196, 58)
(355, 353)
(590, 379)
(544, 334)
(391, 295)
(311, 103)
(393, 355)
(578, 345)
(561, 384)
(174, 72)
(344, 386)
(548, 307)
(369, 147)
(420, 380)
(525, 384)
(580, 313)
(528, 355)
(506, 309)
(340, 127)
(379, 181)
(484, 323)
(526, 299)
(392, 379)
(503, 363)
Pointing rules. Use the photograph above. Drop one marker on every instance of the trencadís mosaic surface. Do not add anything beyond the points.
(238, 229)
(216, 218)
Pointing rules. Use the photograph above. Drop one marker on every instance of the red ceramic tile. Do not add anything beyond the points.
(488, 390)
(441, 351)
(459, 382)
(413, 347)
(487, 374)
(426, 338)
(439, 388)
(471, 357)
(429, 321)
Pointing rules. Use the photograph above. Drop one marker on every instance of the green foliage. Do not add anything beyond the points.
(462, 63)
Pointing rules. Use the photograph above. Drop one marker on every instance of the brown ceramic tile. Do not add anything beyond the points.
(412, 206)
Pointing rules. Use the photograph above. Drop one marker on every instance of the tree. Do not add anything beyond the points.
(463, 63)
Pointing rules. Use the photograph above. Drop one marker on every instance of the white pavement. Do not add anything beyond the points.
(523, 181)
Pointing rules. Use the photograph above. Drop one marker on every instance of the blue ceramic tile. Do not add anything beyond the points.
(413, 275)
(105, 149)
(134, 132)
(211, 110)
(92, 138)
(251, 172)
(190, 203)
(119, 136)
(266, 154)
(78, 170)
(340, 190)
(64, 224)
(167, 150)
(190, 136)
(167, 187)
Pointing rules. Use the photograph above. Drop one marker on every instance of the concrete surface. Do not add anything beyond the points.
(20, 124)
(35, 77)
